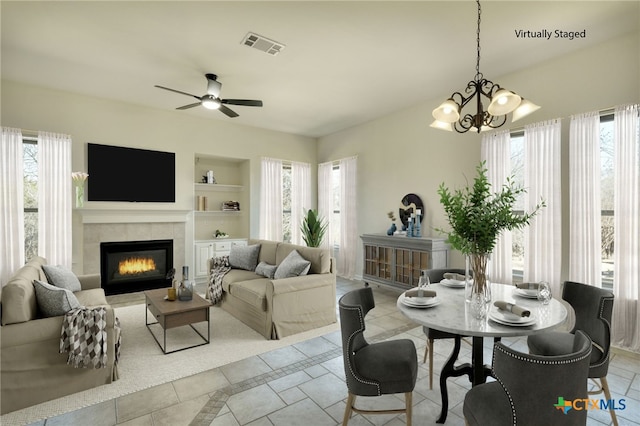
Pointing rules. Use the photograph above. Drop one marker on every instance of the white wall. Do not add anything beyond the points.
(89, 119)
(400, 153)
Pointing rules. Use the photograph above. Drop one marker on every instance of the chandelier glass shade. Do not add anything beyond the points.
(449, 115)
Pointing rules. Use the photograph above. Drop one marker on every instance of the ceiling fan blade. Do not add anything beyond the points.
(177, 91)
(189, 106)
(243, 102)
(228, 112)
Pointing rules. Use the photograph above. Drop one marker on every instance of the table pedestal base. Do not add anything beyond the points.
(477, 371)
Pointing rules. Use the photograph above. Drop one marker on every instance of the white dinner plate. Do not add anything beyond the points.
(528, 293)
(507, 318)
(452, 283)
(419, 302)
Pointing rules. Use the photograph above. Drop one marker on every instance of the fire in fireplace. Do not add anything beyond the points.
(129, 266)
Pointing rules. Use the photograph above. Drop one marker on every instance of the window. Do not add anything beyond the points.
(607, 161)
(30, 154)
(286, 203)
(335, 219)
(517, 236)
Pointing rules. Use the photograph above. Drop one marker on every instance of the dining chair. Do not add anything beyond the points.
(533, 389)
(593, 307)
(373, 369)
(435, 276)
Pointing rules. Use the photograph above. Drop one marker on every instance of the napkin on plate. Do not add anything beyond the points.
(414, 293)
(510, 307)
(453, 276)
(527, 286)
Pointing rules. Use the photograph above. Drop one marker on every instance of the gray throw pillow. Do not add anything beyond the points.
(54, 301)
(294, 265)
(244, 257)
(62, 277)
(266, 270)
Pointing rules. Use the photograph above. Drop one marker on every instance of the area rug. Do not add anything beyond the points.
(143, 365)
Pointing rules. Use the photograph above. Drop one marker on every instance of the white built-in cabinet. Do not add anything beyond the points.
(207, 249)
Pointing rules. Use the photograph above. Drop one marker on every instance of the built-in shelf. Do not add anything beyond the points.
(218, 187)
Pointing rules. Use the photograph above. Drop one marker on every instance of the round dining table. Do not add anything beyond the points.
(452, 314)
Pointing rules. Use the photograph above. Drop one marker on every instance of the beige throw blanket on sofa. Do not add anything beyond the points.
(219, 267)
(84, 336)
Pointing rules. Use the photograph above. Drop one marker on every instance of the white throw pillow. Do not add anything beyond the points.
(294, 265)
(54, 301)
(62, 277)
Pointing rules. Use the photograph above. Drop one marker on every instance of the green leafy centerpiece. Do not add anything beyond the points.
(477, 217)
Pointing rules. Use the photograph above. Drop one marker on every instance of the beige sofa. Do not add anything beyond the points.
(33, 370)
(278, 308)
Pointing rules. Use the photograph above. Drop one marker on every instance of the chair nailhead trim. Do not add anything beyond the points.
(352, 353)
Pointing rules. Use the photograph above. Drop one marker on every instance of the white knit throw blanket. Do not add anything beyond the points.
(219, 267)
(84, 336)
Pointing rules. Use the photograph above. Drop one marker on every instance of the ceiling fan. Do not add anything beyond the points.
(212, 100)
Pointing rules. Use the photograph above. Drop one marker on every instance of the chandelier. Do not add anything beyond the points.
(502, 102)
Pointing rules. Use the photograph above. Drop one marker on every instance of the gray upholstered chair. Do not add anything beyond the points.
(435, 276)
(532, 389)
(593, 308)
(375, 369)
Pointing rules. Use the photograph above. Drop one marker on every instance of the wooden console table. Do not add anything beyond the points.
(396, 261)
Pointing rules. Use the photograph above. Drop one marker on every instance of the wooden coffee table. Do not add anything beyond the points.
(177, 313)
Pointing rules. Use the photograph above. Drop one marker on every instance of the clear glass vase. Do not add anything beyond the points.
(478, 283)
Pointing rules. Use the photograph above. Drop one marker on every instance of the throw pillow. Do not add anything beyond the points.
(266, 270)
(62, 277)
(294, 265)
(244, 257)
(54, 301)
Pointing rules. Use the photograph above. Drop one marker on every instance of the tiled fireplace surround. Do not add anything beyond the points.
(130, 227)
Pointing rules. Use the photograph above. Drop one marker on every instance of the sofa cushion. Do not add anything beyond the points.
(62, 277)
(54, 301)
(19, 296)
(294, 265)
(244, 257)
(267, 251)
(266, 270)
(320, 258)
(92, 297)
(252, 292)
(238, 275)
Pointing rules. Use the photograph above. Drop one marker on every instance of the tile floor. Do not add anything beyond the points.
(303, 384)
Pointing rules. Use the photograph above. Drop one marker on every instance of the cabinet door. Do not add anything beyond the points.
(385, 263)
(204, 252)
(419, 261)
(403, 266)
(371, 260)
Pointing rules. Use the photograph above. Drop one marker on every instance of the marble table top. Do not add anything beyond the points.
(453, 315)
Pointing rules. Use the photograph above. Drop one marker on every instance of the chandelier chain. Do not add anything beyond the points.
(478, 73)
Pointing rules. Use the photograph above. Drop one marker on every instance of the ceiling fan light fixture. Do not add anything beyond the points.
(210, 102)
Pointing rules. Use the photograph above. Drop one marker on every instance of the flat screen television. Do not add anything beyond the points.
(118, 173)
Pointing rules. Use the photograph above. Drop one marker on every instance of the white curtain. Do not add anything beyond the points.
(626, 315)
(271, 199)
(542, 250)
(54, 198)
(11, 203)
(496, 151)
(348, 218)
(325, 200)
(300, 198)
(585, 247)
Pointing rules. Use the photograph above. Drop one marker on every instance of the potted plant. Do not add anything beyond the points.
(313, 228)
(477, 217)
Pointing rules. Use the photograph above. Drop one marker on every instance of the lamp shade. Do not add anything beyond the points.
(441, 125)
(210, 102)
(526, 107)
(503, 102)
(447, 112)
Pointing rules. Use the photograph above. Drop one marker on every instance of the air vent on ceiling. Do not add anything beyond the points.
(263, 44)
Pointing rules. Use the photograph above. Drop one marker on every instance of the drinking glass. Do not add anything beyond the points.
(424, 282)
(544, 292)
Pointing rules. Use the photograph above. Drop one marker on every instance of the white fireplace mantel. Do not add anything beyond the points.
(132, 216)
